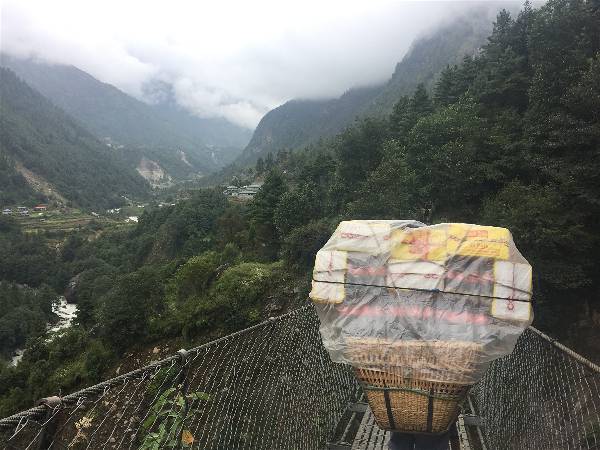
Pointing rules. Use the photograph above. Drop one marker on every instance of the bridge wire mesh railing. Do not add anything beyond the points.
(541, 396)
(271, 386)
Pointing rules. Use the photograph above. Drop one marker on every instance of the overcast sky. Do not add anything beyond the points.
(232, 59)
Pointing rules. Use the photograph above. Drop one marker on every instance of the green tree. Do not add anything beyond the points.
(391, 190)
(232, 227)
(262, 215)
(407, 112)
(269, 162)
(260, 166)
(301, 245)
(455, 81)
(358, 152)
(193, 278)
(129, 309)
(297, 207)
(454, 162)
(234, 300)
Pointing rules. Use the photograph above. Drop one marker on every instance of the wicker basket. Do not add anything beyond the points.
(414, 386)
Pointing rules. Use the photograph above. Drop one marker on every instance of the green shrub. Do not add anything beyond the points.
(234, 300)
(303, 243)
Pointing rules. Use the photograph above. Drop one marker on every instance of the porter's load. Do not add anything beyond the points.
(420, 312)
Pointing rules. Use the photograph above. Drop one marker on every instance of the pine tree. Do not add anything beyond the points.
(262, 212)
(445, 88)
(408, 111)
(260, 166)
(359, 151)
(420, 103)
(269, 162)
(455, 81)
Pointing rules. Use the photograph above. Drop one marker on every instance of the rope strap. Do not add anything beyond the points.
(414, 391)
(430, 411)
(388, 407)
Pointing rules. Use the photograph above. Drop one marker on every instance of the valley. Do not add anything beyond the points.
(167, 235)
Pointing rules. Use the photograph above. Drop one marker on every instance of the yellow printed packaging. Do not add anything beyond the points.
(477, 240)
(425, 244)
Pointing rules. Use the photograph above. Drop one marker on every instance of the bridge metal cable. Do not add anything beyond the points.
(273, 386)
(270, 386)
(541, 396)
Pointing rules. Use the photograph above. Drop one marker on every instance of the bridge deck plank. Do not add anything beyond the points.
(369, 435)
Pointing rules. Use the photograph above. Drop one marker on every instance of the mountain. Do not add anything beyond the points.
(430, 55)
(42, 149)
(298, 123)
(181, 143)
(14, 188)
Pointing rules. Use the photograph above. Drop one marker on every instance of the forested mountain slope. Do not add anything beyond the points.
(430, 55)
(158, 132)
(14, 188)
(38, 137)
(509, 137)
(298, 123)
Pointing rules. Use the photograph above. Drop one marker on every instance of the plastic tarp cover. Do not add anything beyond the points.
(437, 302)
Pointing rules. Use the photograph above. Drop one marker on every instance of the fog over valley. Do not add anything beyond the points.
(235, 60)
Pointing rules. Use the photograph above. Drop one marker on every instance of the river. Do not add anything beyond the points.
(65, 311)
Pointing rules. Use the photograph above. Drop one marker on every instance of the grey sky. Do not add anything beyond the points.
(232, 59)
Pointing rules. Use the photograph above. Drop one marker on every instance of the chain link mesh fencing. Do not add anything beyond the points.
(271, 386)
(541, 396)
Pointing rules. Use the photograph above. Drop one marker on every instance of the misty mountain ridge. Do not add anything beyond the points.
(298, 123)
(47, 155)
(159, 132)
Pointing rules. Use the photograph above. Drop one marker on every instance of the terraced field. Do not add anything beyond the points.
(65, 222)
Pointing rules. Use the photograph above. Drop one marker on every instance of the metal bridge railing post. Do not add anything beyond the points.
(49, 424)
(183, 383)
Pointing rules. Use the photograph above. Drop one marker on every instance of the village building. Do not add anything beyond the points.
(254, 187)
(245, 192)
(231, 190)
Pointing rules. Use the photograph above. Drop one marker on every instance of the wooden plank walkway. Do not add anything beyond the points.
(369, 435)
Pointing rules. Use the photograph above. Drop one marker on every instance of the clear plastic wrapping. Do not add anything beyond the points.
(436, 302)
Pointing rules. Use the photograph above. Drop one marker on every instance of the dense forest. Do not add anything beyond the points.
(508, 137)
(47, 142)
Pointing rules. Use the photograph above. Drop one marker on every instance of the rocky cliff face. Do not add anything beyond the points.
(153, 173)
(70, 293)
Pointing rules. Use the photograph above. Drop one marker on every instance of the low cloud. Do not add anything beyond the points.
(228, 59)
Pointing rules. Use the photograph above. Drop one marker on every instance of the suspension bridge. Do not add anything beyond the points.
(273, 386)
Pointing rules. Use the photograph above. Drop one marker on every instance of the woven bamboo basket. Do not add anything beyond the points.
(414, 386)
